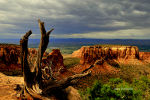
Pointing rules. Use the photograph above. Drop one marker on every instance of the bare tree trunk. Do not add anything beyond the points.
(34, 87)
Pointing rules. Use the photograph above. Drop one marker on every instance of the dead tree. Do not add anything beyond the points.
(34, 87)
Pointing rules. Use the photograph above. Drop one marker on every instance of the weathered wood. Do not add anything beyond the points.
(64, 82)
(42, 47)
(24, 52)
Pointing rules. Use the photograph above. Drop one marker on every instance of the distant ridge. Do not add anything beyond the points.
(76, 43)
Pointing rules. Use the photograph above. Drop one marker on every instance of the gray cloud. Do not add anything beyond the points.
(80, 17)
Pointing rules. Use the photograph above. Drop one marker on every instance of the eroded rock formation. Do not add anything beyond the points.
(144, 56)
(90, 54)
(9, 54)
(10, 58)
(55, 60)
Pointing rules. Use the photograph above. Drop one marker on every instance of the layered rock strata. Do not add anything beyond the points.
(10, 58)
(90, 54)
(10, 54)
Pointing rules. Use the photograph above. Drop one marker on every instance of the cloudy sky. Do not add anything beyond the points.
(104, 19)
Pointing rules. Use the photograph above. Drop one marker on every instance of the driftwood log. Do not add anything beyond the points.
(34, 86)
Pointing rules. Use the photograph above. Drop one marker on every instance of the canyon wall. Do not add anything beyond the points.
(9, 54)
(10, 58)
(89, 54)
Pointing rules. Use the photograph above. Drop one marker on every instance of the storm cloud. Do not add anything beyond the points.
(112, 19)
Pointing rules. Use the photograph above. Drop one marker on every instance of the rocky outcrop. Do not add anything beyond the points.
(9, 54)
(144, 56)
(90, 54)
(55, 60)
(10, 58)
(72, 93)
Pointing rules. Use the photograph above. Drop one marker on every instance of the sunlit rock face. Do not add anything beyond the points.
(145, 56)
(55, 60)
(90, 54)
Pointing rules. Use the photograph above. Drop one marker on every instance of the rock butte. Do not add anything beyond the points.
(89, 54)
(104, 57)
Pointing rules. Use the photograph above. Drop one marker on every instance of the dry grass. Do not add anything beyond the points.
(134, 70)
(71, 62)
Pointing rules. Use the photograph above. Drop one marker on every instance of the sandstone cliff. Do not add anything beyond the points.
(10, 58)
(9, 54)
(106, 59)
(89, 54)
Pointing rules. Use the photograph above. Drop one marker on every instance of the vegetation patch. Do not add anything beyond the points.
(130, 71)
(118, 89)
(71, 62)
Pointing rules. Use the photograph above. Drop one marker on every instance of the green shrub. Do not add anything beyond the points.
(143, 84)
(115, 81)
(115, 89)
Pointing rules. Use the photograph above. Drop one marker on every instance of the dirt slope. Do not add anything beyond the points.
(7, 86)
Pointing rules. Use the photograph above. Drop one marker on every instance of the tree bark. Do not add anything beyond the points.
(34, 87)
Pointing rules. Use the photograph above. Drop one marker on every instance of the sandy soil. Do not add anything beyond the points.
(7, 86)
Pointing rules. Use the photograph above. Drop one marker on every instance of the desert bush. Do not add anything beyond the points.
(143, 84)
(130, 71)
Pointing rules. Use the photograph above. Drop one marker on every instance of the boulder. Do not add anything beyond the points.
(72, 93)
